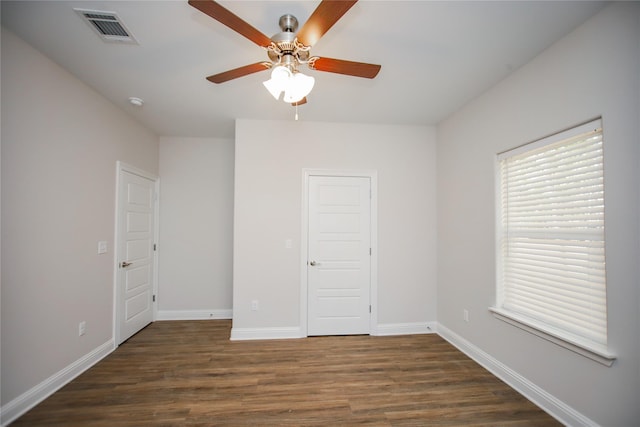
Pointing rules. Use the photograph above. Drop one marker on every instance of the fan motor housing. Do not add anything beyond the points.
(284, 42)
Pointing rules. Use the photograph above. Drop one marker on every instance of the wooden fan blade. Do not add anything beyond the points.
(226, 17)
(301, 102)
(322, 19)
(350, 68)
(239, 72)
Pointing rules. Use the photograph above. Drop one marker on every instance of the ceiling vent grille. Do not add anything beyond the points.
(108, 25)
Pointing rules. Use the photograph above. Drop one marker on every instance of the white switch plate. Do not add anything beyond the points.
(102, 247)
(288, 243)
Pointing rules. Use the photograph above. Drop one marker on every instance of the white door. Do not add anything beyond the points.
(134, 292)
(339, 255)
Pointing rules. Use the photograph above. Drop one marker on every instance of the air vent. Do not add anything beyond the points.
(108, 25)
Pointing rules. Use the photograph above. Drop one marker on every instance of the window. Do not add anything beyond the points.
(551, 251)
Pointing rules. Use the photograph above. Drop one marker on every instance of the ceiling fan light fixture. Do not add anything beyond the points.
(294, 85)
(299, 86)
(278, 82)
(281, 74)
(288, 49)
(273, 87)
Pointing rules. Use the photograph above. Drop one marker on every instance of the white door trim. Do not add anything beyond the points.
(304, 241)
(124, 167)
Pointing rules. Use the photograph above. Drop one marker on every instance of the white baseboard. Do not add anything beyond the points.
(27, 400)
(240, 334)
(405, 328)
(549, 403)
(194, 314)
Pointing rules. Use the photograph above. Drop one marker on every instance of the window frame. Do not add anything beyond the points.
(594, 351)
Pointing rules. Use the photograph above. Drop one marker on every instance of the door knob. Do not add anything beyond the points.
(124, 264)
(313, 263)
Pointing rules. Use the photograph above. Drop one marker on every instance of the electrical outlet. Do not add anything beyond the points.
(465, 315)
(254, 305)
(82, 328)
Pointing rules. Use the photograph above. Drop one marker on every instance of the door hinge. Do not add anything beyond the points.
(154, 246)
(370, 252)
(154, 298)
(369, 308)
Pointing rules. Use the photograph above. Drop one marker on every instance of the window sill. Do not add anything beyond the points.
(598, 353)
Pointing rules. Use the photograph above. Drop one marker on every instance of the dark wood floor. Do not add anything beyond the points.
(188, 373)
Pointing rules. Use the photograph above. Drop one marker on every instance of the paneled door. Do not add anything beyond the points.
(339, 255)
(135, 272)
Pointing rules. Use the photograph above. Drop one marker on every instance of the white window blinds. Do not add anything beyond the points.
(552, 260)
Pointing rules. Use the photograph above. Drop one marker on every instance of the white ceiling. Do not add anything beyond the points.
(435, 57)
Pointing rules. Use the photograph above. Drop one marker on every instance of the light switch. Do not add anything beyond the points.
(288, 243)
(102, 247)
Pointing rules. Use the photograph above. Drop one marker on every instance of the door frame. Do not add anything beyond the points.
(304, 242)
(124, 167)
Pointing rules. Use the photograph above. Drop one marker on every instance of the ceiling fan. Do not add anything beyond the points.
(287, 50)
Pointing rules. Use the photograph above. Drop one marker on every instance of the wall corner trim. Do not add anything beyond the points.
(27, 400)
(549, 403)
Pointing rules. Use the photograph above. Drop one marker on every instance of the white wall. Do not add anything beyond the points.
(269, 161)
(60, 144)
(593, 71)
(196, 228)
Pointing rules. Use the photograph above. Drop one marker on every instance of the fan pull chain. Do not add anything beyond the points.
(296, 116)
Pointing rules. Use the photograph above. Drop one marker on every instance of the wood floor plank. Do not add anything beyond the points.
(188, 373)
